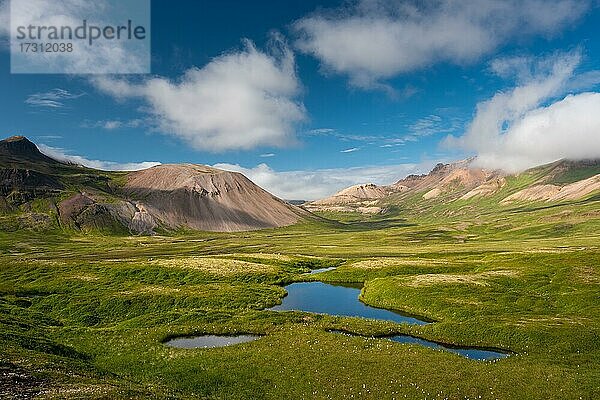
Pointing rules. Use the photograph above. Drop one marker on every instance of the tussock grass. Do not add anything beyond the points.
(85, 316)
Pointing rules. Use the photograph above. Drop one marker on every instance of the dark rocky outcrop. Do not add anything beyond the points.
(19, 148)
(19, 186)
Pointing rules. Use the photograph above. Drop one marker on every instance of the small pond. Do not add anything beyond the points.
(209, 341)
(472, 353)
(342, 300)
(338, 300)
(319, 270)
(322, 298)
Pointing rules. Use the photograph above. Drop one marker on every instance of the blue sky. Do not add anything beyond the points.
(347, 92)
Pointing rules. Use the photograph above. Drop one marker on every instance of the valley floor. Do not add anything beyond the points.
(85, 316)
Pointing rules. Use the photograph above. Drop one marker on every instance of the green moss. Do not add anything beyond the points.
(88, 313)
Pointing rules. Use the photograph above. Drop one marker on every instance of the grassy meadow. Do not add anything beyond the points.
(86, 315)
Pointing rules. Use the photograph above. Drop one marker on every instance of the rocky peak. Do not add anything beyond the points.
(21, 148)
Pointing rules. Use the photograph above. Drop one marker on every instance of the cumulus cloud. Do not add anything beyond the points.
(534, 123)
(321, 183)
(569, 128)
(62, 155)
(372, 40)
(52, 99)
(239, 100)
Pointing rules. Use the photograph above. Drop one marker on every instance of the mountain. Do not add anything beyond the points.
(464, 184)
(19, 148)
(205, 198)
(550, 192)
(360, 197)
(447, 178)
(39, 192)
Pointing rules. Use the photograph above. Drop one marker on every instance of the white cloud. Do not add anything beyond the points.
(110, 125)
(372, 40)
(239, 100)
(423, 127)
(52, 99)
(4, 24)
(345, 137)
(49, 137)
(321, 131)
(62, 155)
(431, 125)
(569, 128)
(518, 129)
(105, 56)
(510, 67)
(267, 155)
(321, 183)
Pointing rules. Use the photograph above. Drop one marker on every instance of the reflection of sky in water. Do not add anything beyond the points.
(474, 354)
(210, 341)
(322, 298)
(318, 271)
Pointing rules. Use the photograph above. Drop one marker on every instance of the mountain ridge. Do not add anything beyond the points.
(39, 192)
(464, 181)
(19, 148)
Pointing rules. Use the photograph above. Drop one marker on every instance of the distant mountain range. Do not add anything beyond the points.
(462, 183)
(39, 192)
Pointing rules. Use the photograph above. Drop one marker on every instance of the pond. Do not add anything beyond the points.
(319, 270)
(473, 353)
(342, 300)
(323, 298)
(209, 341)
(338, 300)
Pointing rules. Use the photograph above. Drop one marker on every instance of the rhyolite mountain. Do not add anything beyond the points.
(38, 192)
(205, 198)
(449, 187)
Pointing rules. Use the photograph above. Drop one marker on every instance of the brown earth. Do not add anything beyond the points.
(353, 194)
(205, 198)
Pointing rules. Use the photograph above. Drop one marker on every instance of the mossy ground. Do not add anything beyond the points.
(85, 316)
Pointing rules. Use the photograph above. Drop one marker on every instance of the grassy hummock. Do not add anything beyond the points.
(87, 315)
